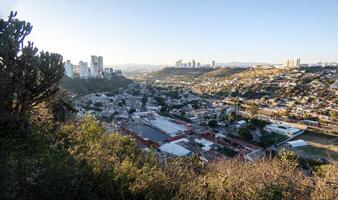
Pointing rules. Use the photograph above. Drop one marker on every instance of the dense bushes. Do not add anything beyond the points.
(245, 134)
(80, 161)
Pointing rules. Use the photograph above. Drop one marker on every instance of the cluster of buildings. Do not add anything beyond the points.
(167, 116)
(299, 92)
(296, 63)
(194, 64)
(83, 70)
(184, 129)
(292, 63)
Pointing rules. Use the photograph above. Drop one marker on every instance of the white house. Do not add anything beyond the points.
(241, 124)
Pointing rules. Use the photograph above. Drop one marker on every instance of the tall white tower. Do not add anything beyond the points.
(213, 63)
(100, 59)
(96, 65)
(298, 62)
(83, 69)
(69, 69)
(178, 63)
(193, 63)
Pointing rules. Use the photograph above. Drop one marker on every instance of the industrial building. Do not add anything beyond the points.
(283, 129)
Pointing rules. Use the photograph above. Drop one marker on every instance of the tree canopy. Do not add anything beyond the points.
(27, 77)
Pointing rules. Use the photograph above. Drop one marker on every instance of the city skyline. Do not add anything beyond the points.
(161, 33)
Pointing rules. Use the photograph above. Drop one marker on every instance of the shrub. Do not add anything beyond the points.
(98, 104)
(245, 134)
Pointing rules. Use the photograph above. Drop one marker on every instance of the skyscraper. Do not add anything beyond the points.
(298, 62)
(100, 58)
(69, 69)
(96, 65)
(84, 70)
(213, 64)
(178, 63)
(193, 63)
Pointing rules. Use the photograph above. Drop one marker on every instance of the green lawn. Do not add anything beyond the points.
(273, 138)
(319, 152)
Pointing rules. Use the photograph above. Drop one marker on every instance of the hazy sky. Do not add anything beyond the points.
(163, 31)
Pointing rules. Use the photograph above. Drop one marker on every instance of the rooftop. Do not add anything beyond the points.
(148, 132)
(297, 143)
(175, 149)
(283, 129)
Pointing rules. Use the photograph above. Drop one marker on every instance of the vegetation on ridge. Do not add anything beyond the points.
(79, 160)
(93, 85)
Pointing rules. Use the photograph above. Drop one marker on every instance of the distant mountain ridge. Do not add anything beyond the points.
(134, 67)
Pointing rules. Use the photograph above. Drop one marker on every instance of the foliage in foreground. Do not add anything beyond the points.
(80, 160)
(26, 77)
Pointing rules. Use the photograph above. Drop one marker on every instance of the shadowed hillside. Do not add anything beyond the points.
(179, 73)
(222, 72)
(92, 85)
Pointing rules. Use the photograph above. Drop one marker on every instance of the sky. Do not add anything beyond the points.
(164, 31)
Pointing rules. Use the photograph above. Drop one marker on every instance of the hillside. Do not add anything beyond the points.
(239, 80)
(178, 73)
(79, 160)
(222, 72)
(255, 83)
(92, 85)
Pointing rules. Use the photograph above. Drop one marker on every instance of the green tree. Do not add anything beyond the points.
(334, 115)
(245, 134)
(26, 77)
(232, 116)
(252, 109)
(212, 123)
(131, 111)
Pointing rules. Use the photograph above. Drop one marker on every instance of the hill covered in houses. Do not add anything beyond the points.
(43, 156)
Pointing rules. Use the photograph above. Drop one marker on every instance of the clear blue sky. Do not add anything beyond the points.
(163, 31)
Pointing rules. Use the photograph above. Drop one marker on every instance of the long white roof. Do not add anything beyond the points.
(167, 126)
(174, 149)
(283, 128)
(297, 143)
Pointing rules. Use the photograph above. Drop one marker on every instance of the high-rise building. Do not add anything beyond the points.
(291, 63)
(100, 64)
(108, 70)
(298, 62)
(84, 70)
(178, 64)
(193, 63)
(69, 69)
(96, 65)
(189, 64)
(198, 64)
(213, 64)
